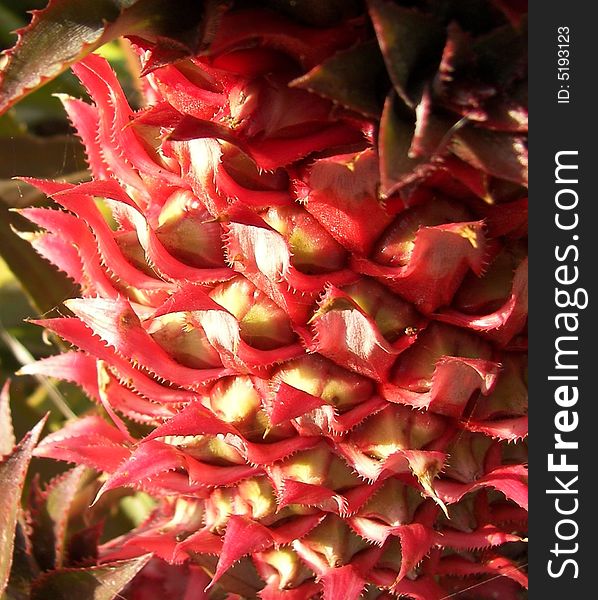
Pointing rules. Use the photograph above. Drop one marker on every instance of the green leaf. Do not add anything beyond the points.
(51, 510)
(67, 30)
(12, 478)
(37, 57)
(352, 78)
(411, 43)
(93, 583)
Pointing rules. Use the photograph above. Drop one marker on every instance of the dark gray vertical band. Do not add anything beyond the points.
(563, 270)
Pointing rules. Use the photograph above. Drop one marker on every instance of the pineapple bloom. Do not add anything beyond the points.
(314, 310)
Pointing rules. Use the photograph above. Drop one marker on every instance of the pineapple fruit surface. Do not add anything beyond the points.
(303, 303)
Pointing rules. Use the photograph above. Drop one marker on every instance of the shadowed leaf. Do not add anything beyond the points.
(500, 154)
(51, 517)
(94, 583)
(396, 135)
(320, 13)
(351, 78)
(502, 55)
(241, 578)
(83, 546)
(411, 43)
(24, 569)
(12, 477)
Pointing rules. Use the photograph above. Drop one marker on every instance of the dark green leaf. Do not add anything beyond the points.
(457, 57)
(38, 57)
(184, 25)
(432, 131)
(67, 30)
(12, 478)
(395, 138)
(93, 583)
(475, 16)
(319, 13)
(514, 10)
(502, 55)
(352, 78)
(241, 578)
(411, 43)
(503, 155)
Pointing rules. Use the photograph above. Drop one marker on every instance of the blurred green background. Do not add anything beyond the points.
(36, 140)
